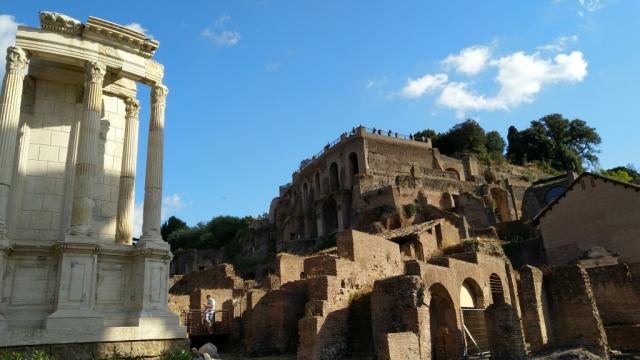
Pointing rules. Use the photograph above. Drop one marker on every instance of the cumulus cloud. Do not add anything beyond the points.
(469, 61)
(415, 88)
(170, 205)
(8, 27)
(220, 36)
(559, 44)
(521, 76)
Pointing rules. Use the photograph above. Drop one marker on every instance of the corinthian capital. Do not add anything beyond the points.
(159, 94)
(94, 71)
(132, 107)
(17, 59)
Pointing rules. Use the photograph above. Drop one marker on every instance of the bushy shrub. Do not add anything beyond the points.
(36, 355)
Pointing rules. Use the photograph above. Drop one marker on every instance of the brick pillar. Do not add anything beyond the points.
(575, 319)
(506, 338)
(530, 290)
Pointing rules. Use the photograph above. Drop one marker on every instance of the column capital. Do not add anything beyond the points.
(159, 94)
(95, 71)
(17, 59)
(132, 107)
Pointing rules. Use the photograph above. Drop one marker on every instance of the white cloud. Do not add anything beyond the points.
(224, 38)
(219, 23)
(137, 27)
(374, 83)
(273, 66)
(221, 37)
(428, 83)
(521, 77)
(469, 61)
(559, 44)
(591, 5)
(170, 205)
(8, 27)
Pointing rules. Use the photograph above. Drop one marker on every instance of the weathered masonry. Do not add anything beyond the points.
(68, 146)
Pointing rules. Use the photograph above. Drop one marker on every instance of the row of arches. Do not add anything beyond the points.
(314, 188)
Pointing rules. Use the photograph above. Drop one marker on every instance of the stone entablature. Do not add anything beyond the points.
(69, 270)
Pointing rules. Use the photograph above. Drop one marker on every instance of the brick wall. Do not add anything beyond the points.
(504, 330)
(271, 320)
(399, 346)
(617, 294)
(289, 267)
(530, 289)
(574, 315)
(594, 212)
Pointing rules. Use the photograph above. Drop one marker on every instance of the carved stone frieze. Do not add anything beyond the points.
(60, 23)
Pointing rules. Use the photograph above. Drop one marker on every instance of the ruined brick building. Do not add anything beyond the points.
(375, 181)
(416, 270)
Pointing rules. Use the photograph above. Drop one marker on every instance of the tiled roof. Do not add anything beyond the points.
(409, 230)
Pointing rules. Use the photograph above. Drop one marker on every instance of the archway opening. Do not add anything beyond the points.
(472, 308)
(442, 318)
(334, 178)
(330, 217)
(497, 291)
(317, 187)
(501, 204)
(353, 164)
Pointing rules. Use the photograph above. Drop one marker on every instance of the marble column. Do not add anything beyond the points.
(124, 222)
(86, 169)
(10, 101)
(153, 177)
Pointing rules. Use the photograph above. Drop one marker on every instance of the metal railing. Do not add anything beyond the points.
(197, 324)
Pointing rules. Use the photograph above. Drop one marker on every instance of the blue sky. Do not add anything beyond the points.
(257, 86)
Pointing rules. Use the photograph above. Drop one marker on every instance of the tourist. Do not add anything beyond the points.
(209, 311)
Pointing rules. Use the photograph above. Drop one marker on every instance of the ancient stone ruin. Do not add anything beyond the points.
(69, 123)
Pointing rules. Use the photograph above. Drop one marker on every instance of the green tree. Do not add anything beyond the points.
(565, 144)
(171, 225)
(623, 173)
(494, 143)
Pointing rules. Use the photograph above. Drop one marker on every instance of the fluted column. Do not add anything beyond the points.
(124, 223)
(16, 69)
(86, 169)
(153, 178)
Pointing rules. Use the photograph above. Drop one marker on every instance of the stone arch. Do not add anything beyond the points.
(354, 167)
(445, 342)
(305, 194)
(471, 295)
(330, 216)
(497, 291)
(446, 201)
(454, 172)
(334, 177)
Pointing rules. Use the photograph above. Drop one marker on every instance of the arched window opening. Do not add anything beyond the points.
(497, 292)
(471, 296)
(330, 217)
(334, 178)
(353, 164)
(445, 335)
(472, 309)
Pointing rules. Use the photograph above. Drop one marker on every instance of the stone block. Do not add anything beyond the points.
(33, 201)
(52, 203)
(56, 170)
(60, 138)
(40, 136)
(37, 167)
(41, 220)
(34, 150)
(49, 153)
